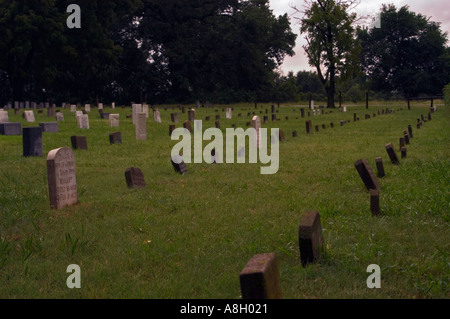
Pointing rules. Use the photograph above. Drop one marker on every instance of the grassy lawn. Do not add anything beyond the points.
(190, 236)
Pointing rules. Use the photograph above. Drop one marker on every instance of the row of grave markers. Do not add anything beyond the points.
(260, 278)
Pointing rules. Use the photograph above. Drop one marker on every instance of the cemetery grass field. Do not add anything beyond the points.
(189, 236)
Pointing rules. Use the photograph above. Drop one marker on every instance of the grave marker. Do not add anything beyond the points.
(310, 238)
(256, 124)
(392, 155)
(62, 181)
(4, 118)
(260, 278)
(9, 129)
(380, 167)
(187, 125)
(60, 117)
(32, 141)
(179, 165)
(134, 177)
(375, 202)
(79, 142)
(157, 116)
(114, 120)
(174, 117)
(115, 138)
(141, 127)
(29, 116)
(403, 151)
(49, 127)
(367, 175)
(83, 121)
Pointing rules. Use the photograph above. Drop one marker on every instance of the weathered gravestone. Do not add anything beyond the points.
(29, 116)
(392, 155)
(402, 142)
(141, 127)
(188, 125)
(179, 165)
(367, 175)
(4, 116)
(73, 108)
(256, 124)
(9, 129)
(79, 142)
(83, 121)
(191, 115)
(294, 134)
(260, 278)
(49, 127)
(115, 138)
(136, 109)
(32, 141)
(157, 116)
(145, 109)
(104, 116)
(51, 112)
(410, 131)
(380, 167)
(308, 127)
(62, 180)
(281, 135)
(174, 117)
(114, 120)
(59, 116)
(87, 107)
(134, 178)
(229, 114)
(310, 238)
(375, 202)
(406, 136)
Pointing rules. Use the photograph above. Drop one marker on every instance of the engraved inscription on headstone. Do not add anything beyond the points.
(62, 181)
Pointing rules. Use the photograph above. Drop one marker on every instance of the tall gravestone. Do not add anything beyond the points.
(62, 181)
(136, 109)
(187, 125)
(191, 115)
(375, 202)
(310, 238)
(157, 116)
(260, 278)
(141, 127)
(60, 116)
(308, 127)
(367, 175)
(174, 117)
(229, 114)
(256, 124)
(32, 141)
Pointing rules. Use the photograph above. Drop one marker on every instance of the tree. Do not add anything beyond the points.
(332, 47)
(407, 54)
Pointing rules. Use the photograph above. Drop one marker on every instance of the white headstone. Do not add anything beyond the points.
(73, 108)
(100, 106)
(87, 107)
(256, 124)
(229, 114)
(113, 105)
(78, 113)
(29, 116)
(345, 109)
(4, 116)
(83, 121)
(145, 110)
(114, 120)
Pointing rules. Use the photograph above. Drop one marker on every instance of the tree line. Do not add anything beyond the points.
(224, 51)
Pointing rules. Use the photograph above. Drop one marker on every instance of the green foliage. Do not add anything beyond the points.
(332, 47)
(447, 95)
(408, 54)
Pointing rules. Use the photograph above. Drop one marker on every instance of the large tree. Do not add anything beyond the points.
(407, 55)
(332, 47)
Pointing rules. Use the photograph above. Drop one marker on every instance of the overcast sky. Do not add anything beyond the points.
(437, 10)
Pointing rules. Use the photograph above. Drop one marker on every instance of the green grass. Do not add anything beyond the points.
(190, 236)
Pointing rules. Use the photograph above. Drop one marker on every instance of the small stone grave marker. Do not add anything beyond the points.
(115, 138)
(392, 155)
(134, 177)
(79, 142)
(367, 175)
(260, 278)
(310, 238)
